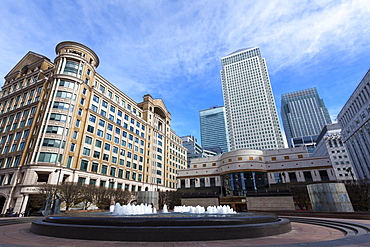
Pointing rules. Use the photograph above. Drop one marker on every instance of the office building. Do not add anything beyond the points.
(251, 116)
(304, 115)
(354, 119)
(62, 114)
(213, 129)
(194, 149)
(329, 143)
(244, 172)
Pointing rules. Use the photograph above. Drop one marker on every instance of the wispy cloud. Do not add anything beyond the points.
(172, 49)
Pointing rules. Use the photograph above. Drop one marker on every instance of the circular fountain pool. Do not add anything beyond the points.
(162, 226)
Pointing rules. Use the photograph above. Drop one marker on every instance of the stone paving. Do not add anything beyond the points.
(301, 235)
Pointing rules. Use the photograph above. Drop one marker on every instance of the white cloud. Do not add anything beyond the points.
(172, 49)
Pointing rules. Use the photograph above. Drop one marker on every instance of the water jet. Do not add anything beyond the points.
(163, 226)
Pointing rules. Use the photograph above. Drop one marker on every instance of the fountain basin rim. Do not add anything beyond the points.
(161, 221)
(161, 233)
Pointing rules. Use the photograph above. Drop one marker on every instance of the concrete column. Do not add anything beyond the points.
(24, 203)
(18, 203)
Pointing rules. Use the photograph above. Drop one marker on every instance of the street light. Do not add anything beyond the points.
(60, 171)
(349, 169)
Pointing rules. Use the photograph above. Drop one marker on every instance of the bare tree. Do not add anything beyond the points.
(359, 194)
(123, 196)
(300, 195)
(101, 197)
(170, 198)
(70, 193)
(47, 190)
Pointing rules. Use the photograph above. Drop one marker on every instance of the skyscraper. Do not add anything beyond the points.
(304, 116)
(194, 150)
(213, 129)
(355, 121)
(252, 120)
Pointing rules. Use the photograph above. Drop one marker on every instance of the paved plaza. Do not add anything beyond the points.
(301, 235)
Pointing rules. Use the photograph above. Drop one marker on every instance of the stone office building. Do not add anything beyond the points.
(244, 172)
(61, 121)
(330, 143)
(354, 119)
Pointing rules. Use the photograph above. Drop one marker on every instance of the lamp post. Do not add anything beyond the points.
(56, 204)
(56, 188)
(349, 169)
(60, 171)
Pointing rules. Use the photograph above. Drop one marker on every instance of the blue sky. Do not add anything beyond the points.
(173, 49)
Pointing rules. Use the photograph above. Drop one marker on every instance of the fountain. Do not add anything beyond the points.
(143, 223)
(165, 209)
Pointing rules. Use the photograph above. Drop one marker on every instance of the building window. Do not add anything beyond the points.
(278, 178)
(98, 143)
(202, 182)
(104, 169)
(307, 176)
(71, 68)
(81, 180)
(90, 129)
(113, 171)
(84, 165)
(48, 157)
(324, 175)
(94, 167)
(96, 155)
(75, 133)
(72, 149)
(92, 118)
(106, 157)
(88, 140)
(192, 183)
(86, 151)
(69, 161)
(292, 177)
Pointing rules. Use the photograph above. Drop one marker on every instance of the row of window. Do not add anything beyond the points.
(113, 171)
(356, 105)
(97, 154)
(116, 99)
(102, 183)
(10, 162)
(17, 124)
(20, 100)
(103, 113)
(24, 82)
(115, 139)
(4, 181)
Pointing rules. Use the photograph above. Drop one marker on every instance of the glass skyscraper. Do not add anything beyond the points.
(304, 116)
(213, 129)
(251, 116)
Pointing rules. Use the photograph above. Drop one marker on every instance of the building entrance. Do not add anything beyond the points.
(2, 203)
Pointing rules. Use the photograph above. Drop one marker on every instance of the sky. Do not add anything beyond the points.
(173, 49)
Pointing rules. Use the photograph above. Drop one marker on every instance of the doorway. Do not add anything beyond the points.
(2, 203)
